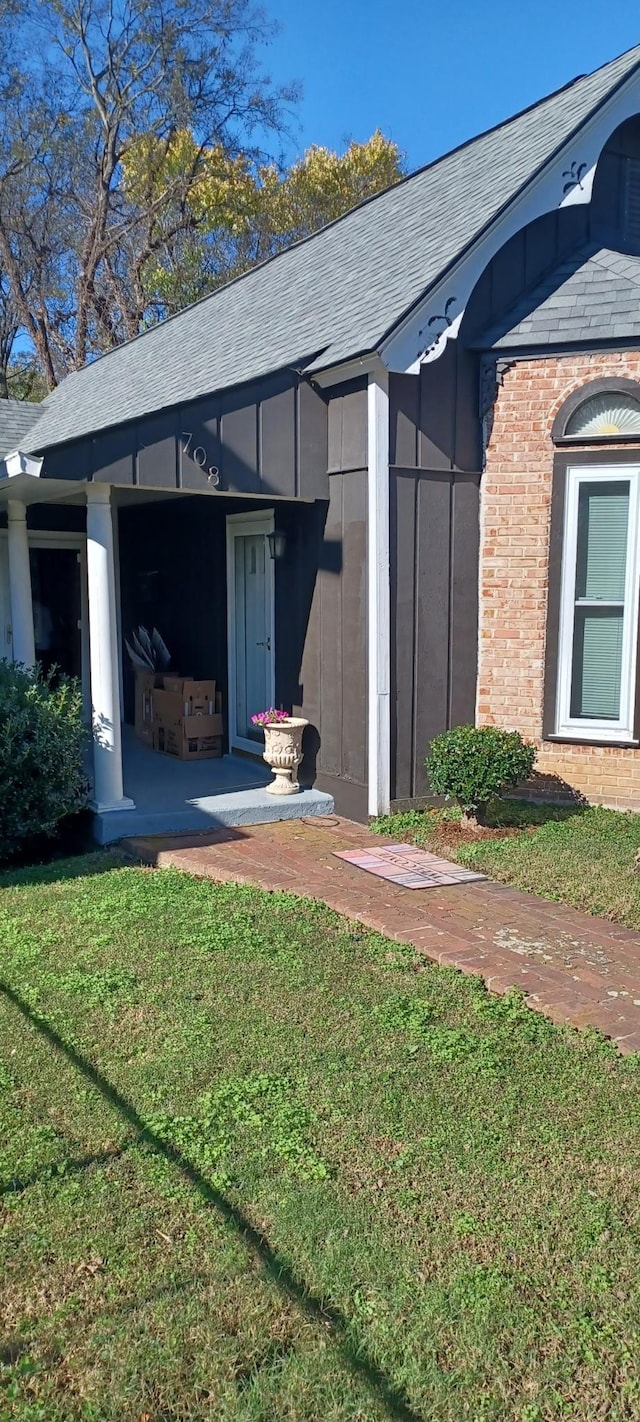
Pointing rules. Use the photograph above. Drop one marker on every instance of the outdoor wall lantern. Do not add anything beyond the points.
(277, 544)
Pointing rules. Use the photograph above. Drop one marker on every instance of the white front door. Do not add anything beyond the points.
(6, 649)
(251, 630)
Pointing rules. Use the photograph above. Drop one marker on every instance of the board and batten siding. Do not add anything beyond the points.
(331, 589)
(268, 439)
(435, 457)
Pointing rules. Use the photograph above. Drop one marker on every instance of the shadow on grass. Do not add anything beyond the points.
(82, 866)
(280, 1272)
(57, 1170)
(528, 814)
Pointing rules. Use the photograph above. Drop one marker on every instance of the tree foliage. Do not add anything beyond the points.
(94, 76)
(243, 213)
(133, 170)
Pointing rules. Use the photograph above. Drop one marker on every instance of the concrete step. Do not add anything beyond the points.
(236, 807)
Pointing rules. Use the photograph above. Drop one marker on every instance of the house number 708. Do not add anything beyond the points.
(200, 457)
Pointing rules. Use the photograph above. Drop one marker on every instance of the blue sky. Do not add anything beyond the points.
(431, 73)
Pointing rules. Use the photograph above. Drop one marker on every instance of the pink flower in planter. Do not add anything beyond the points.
(272, 717)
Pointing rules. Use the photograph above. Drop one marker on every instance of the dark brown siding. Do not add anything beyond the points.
(520, 264)
(322, 640)
(348, 426)
(434, 614)
(59, 518)
(268, 439)
(434, 416)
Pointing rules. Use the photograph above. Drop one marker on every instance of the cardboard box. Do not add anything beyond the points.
(189, 737)
(199, 697)
(183, 726)
(146, 681)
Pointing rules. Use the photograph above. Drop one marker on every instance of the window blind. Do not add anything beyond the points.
(601, 565)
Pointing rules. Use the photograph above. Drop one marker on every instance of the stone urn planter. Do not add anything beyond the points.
(283, 753)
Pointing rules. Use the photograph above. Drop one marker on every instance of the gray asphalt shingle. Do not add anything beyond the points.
(335, 295)
(595, 293)
(17, 417)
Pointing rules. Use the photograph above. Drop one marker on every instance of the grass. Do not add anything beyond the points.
(259, 1164)
(583, 857)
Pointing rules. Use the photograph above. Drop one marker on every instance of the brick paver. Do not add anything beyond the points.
(575, 968)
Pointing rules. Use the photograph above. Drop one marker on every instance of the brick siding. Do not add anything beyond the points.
(515, 515)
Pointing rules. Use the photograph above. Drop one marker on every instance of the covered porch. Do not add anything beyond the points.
(177, 561)
(209, 794)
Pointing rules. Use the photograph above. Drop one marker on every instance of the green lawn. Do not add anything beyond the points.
(261, 1165)
(585, 857)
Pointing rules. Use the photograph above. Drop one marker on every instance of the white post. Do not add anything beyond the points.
(23, 640)
(108, 791)
(379, 595)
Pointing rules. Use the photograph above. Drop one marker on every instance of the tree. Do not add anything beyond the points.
(242, 214)
(95, 76)
(133, 176)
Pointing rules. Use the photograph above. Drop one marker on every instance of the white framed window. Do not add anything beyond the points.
(599, 604)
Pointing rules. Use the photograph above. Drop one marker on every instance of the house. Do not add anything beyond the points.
(430, 411)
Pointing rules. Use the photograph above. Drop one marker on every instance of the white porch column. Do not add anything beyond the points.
(106, 712)
(23, 640)
(379, 595)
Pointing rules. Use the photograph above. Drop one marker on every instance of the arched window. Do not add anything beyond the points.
(598, 486)
(602, 410)
(604, 415)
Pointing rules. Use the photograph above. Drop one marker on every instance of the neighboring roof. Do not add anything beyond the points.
(592, 296)
(337, 294)
(16, 419)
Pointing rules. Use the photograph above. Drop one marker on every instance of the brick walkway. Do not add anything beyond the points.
(575, 968)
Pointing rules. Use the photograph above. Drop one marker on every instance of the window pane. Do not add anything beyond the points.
(612, 413)
(597, 664)
(603, 517)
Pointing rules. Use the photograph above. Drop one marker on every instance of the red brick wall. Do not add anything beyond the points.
(515, 512)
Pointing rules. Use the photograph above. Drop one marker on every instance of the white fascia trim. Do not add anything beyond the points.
(346, 370)
(379, 596)
(566, 181)
(18, 463)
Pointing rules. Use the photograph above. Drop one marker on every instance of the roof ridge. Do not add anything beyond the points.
(366, 202)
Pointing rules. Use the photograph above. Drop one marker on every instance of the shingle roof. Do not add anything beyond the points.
(594, 295)
(337, 294)
(16, 418)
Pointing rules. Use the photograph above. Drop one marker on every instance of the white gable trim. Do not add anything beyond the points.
(565, 181)
(347, 370)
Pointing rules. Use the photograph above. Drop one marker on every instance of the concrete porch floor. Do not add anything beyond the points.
(174, 796)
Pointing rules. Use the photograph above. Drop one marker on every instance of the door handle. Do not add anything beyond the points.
(266, 644)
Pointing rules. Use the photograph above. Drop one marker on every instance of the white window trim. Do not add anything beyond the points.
(580, 728)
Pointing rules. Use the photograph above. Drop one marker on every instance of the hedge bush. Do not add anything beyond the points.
(42, 750)
(473, 764)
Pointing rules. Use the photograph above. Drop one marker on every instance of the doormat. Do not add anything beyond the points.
(408, 867)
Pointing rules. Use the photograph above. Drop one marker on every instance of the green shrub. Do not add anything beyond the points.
(472, 764)
(42, 745)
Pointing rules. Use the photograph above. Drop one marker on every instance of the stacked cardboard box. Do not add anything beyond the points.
(146, 681)
(179, 716)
